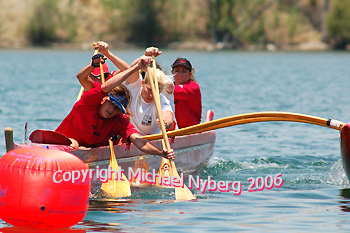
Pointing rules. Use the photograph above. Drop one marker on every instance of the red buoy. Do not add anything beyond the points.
(40, 188)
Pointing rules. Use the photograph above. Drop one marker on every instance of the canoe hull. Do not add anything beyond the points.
(192, 152)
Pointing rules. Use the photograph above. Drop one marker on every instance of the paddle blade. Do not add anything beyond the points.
(116, 186)
(181, 193)
(164, 170)
(142, 165)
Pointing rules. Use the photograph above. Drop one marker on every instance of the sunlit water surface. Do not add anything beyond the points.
(40, 87)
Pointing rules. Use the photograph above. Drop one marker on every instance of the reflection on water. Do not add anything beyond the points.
(26, 230)
(345, 193)
(345, 203)
(111, 205)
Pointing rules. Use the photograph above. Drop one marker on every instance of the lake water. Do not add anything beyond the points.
(40, 87)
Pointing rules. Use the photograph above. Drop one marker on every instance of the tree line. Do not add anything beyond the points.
(228, 23)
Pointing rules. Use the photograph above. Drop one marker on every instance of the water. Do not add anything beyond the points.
(39, 87)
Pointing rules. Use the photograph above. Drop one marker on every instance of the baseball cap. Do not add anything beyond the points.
(97, 70)
(183, 62)
(120, 101)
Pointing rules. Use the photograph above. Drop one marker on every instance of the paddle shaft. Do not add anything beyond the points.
(102, 73)
(181, 193)
(154, 86)
(162, 127)
(124, 189)
(110, 187)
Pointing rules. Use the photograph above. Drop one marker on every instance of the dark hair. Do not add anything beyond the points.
(186, 63)
(143, 73)
(121, 90)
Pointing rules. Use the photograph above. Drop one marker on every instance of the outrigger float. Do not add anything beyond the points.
(193, 145)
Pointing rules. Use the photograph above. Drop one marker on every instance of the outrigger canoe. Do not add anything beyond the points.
(192, 151)
(194, 145)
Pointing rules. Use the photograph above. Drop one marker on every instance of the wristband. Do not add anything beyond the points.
(94, 64)
(97, 56)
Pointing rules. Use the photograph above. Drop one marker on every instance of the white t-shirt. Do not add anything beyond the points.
(144, 115)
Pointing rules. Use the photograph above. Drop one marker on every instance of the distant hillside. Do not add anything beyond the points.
(196, 24)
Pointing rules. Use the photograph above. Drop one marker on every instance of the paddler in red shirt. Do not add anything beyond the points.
(90, 76)
(98, 115)
(187, 94)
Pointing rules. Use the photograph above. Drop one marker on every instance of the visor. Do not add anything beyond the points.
(120, 101)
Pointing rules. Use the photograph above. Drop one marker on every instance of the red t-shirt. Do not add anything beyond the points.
(85, 125)
(188, 104)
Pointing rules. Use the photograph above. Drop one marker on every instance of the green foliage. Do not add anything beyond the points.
(293, 22)
(179, 21)
(338, 23)
(51, 24)
(224, 18)
(239, 21)
(68, 24)
(42, 26)
(138, 20)
(160, 22)
(143, 24)
(256, 34)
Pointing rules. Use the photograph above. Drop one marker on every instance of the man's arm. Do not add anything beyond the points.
(134, 77)
(168, 119)
(117, 61)
(150, 51)
(83, 74)
(167, 111)
(146, 147)
(83, 77)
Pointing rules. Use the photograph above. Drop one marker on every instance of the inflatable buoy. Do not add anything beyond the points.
(40, 188)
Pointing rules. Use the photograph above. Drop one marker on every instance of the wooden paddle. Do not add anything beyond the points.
(80, 93)
(120, 187)
(164, 170)
(113, 187)
(249, 118)
(181, 193)
(140, 163)
(102, 73)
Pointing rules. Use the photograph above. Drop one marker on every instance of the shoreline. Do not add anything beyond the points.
(194, 46)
